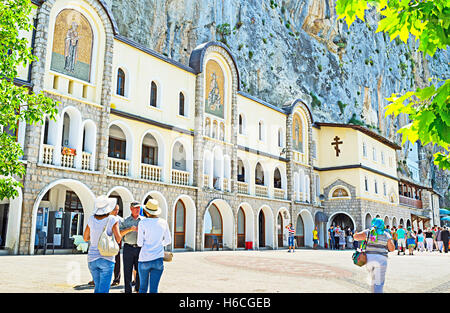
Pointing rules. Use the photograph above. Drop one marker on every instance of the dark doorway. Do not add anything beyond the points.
(262, 231)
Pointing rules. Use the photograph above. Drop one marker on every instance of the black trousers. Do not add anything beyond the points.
(117, 269)
(130, 260)
(336, 243)
(446, 246)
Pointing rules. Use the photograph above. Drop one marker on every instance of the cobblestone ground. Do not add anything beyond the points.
(238, 271)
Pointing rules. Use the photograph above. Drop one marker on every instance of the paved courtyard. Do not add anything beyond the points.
(238, 271)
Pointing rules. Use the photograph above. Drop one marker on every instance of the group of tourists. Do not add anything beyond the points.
(430, 239)
(143, 234)
(341, 238)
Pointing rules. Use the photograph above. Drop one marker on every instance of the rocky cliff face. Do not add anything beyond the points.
(299, 47)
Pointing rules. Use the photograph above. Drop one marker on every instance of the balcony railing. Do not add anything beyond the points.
(299, 157)
(415, 203)
(67, 160)
(242, 187)
(48, 154)
(205, 180)
(225, 184)
(180, 177)
(261, 191)
(278, 193)
(85, 160)
(150, 172)
(118, 166)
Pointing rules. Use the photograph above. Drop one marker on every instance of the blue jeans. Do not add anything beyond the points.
(291, 241)
(153, 270)
(102, 272)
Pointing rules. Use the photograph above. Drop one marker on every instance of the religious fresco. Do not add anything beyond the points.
(214, 102)
(72, 45)
(340, 192)
(297, 134)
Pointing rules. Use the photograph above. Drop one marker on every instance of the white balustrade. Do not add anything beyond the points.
(242, 187)
(85, 160)
(205, 180)
(261, 191)
(48, 154)
(278, 193)
(118, 166)
(180, 177)
(67, 160)
(150, 172)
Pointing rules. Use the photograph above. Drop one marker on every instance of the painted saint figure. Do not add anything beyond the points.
(214, 94)
(71, 47)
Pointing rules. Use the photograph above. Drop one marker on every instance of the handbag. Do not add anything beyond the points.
(168, 256)
(359, 256)
(107, 245)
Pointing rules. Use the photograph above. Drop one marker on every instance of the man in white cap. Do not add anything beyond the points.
(128, 229)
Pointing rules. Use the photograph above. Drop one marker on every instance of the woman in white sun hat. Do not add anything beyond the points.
(153, 235)
(101, 267)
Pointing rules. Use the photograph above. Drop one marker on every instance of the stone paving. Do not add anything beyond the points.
(238, 272)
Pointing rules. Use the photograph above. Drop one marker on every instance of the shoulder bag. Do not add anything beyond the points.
(107, 245)
(359, 256)
(168, 256)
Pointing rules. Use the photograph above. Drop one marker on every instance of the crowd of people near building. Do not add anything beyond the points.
(428, 239)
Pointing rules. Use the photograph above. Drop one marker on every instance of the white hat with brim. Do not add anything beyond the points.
(152, 207)
(104, 205)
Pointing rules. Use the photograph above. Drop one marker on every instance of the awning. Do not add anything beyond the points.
(321, 217)
(444, 212)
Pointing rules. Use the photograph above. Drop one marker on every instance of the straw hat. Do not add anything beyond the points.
(104, 205)
(152, 207)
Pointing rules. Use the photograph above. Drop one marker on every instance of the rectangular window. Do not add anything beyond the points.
(148, 155)
(116, 148)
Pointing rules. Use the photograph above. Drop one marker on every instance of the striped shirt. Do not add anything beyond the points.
(379, 247)
(291, 231)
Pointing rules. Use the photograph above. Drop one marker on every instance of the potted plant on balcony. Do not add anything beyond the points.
(69, 151)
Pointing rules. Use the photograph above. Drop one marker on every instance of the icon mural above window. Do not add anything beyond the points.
(72, 45)
(297, 134)
(214, 103)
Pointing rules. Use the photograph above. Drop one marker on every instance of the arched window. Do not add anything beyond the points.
(366, 184)
(153, 95)
(339, 193)
(261, 131)
(207, 129)
(277, 179)
(181, 108)
(364, 150)
(120, 82)
(259, 175)
(241, 124)
(280, 138)
(222, 131)
(376, 186)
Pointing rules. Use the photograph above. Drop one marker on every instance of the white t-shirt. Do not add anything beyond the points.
(96, 228)
(153, 235)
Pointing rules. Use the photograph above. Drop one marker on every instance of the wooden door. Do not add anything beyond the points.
(180, 226)
(241, 229)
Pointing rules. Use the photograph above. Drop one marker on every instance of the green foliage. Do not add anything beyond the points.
(250, 55)
(16, 103)
(355, 121)
(428, 108)
(341, 106)
(265, 40)
(223, 30)
(315, 101)
(319, 67)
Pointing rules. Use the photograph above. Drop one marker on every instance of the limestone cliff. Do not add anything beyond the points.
(296, 45)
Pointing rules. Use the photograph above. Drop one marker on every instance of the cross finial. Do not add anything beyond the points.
(336, 143)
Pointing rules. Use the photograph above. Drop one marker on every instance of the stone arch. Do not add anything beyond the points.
(308, 222)
(161, 147)
(191, 221)
(339, 183)
(125, 195)
(187, 146)
(89, 144)
(11, 241)
(269, 226)
(84, 193)
(227, 218)
(249, 222)
(367, 221)
(286, 219)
